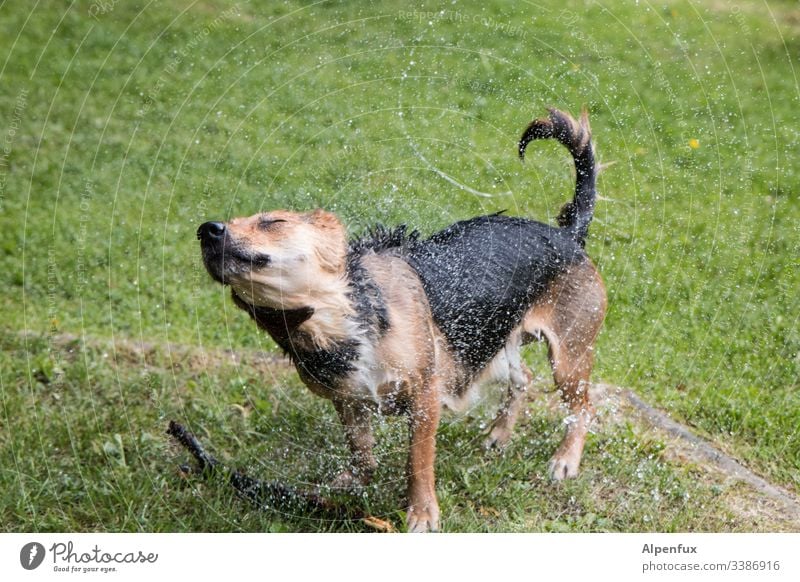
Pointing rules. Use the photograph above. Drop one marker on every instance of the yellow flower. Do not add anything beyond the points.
(694, 144)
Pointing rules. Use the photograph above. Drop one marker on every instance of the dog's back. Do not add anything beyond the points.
(482, 275)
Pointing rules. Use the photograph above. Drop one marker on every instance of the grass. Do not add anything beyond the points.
(124, 130)
(109, 467)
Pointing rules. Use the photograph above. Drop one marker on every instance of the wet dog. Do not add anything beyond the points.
(397, 324)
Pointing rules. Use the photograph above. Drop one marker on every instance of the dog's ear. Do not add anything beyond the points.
(324, 219)
(331, 246)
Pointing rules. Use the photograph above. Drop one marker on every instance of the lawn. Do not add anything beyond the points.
(124, 125)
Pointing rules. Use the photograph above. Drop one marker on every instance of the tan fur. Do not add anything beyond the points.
(414, 374)
(570, 315)
(331, 244)
(308, 271)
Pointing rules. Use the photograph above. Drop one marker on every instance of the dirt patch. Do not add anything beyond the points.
(170, 356)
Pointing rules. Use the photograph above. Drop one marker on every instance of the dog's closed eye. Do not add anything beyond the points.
(266, 223)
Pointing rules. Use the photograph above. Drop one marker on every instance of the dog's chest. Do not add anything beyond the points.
(326, 368)
(349, 374)
(374, 379)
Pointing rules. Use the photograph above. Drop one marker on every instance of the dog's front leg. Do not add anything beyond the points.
(423, 508)
(357, 422)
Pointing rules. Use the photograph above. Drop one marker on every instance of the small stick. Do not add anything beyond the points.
(265, 495)
(191, 444)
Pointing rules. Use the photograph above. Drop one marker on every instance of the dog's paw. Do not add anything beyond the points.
(498, 438)
(423, 519)
(563, 467)
(350, 480)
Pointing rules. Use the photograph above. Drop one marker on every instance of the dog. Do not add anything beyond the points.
(399, 324)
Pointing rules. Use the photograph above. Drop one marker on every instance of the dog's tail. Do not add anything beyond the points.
(576, 136)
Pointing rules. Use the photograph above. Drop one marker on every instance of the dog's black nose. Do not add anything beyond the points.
(211, 230)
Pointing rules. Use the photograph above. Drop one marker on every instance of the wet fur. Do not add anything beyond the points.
(398, 324)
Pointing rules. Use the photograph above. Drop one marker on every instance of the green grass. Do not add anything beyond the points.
(121, 133)
(95, 457)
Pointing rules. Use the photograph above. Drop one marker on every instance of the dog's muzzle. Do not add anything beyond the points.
(224, 257)
(212, 242)
(211, 232)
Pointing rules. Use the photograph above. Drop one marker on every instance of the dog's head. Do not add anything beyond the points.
(274, 259)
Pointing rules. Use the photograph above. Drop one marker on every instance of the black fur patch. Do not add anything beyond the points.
(365, 294)
(325, 367)
(482, 275)
(278, 323)
(380, 238)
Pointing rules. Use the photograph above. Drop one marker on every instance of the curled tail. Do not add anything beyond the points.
(576, 136)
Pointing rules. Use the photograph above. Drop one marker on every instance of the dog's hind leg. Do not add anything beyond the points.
(519, 378)
(570, 316)
(357, 422)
